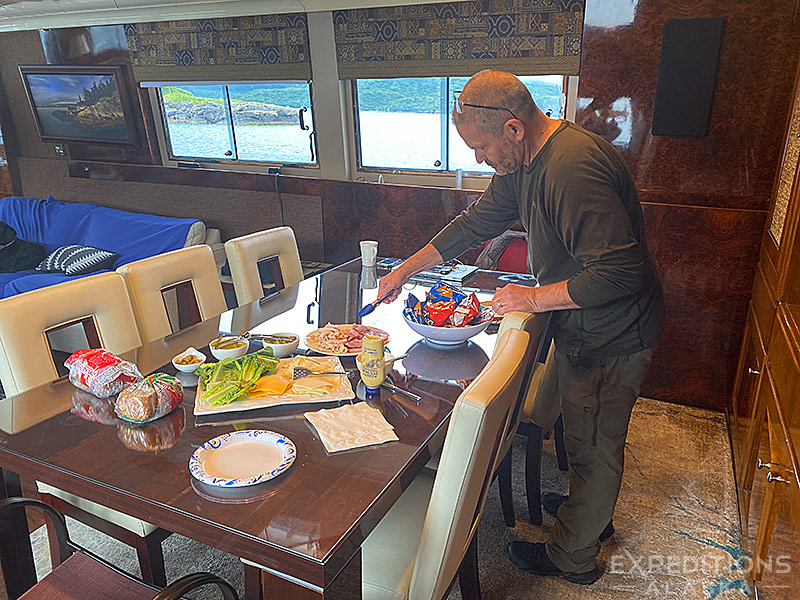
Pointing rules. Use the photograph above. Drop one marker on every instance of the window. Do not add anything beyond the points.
(405, 123)
(261, 123)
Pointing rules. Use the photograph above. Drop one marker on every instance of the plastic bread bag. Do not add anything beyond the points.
(156, 436)
(151, 398)
(101, 373)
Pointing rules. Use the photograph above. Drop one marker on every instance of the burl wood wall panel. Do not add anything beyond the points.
(705, 199)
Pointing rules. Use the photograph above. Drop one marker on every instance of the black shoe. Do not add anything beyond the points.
(551, 502)
(533, 559)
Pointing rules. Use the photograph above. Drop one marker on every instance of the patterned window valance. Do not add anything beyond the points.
(525, 37)
(267, 47)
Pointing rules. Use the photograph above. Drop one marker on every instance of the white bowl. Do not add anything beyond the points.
(280, 350)
(220, 353)
(190, 368)
(446, 336)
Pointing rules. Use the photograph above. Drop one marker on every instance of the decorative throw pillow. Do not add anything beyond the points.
(77, 260)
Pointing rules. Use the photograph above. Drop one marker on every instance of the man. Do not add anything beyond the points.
(576, 199)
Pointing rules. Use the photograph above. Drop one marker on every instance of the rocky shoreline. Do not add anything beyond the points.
(244, 113)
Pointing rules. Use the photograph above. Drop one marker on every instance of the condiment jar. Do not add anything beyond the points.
(371, 363)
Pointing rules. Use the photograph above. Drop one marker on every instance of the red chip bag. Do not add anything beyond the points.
(438, 313)
(101, 373)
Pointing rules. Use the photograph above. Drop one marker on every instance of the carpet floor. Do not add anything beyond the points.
(677, 530)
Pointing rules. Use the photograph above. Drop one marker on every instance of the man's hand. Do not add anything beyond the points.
(534, 300)
(393, 282)
(513, 297)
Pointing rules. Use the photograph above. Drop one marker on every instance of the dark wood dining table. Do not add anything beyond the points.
(306, 526)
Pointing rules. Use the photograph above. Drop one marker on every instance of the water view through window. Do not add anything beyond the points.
(258, 123)
(406, 123)
(402, 123)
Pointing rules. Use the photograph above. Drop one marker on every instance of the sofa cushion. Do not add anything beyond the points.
(131, 235)
(76, 259)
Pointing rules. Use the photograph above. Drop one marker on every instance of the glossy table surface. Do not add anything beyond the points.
(307, 523)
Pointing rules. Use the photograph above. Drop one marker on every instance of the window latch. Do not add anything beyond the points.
(303, 125)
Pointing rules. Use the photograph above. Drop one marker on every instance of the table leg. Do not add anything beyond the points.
(16, 556)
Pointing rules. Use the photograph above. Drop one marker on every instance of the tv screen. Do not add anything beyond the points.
(82, 104)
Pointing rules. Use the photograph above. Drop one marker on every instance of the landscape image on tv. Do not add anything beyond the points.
(78, 106)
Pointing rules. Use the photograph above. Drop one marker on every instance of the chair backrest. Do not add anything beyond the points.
(100, 301)
(478, 423)
(244, 254)
(184, 283)
(543, 402)
(536, 325)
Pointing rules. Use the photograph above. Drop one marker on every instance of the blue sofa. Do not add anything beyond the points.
(54, 224)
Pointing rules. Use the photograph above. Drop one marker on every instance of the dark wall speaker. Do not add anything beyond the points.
(687, 74)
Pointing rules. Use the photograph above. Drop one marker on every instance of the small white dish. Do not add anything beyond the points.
(242, 458)
(191, 367)
(280, 350)
(240, 350)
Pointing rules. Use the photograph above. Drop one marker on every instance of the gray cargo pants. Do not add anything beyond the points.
(597, 396)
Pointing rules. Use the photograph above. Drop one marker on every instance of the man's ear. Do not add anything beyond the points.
(515, 129)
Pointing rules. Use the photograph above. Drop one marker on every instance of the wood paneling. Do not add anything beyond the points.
(706, 256)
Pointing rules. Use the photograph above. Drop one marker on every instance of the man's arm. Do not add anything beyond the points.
(425, 258)
(554, 296)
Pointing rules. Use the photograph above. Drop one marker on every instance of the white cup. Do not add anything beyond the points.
(369, 253)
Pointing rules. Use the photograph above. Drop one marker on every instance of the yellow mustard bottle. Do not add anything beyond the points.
(372, 363)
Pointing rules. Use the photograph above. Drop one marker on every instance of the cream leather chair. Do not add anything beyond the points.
(26, 361)
(147, 279)
(419, 546)
(245, 252)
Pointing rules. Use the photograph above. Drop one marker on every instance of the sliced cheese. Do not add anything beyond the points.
(314, 385)
(271, 385)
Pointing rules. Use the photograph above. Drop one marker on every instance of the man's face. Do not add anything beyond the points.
(502, 152)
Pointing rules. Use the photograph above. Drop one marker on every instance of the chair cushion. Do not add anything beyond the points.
(81, 578)
(77, 259)
(389, 552)
(137, 526)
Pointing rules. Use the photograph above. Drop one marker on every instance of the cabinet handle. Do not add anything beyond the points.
(763, 465)
(753, 371)
(771, 478)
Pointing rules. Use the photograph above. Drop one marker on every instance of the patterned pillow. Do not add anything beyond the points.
(77, 260)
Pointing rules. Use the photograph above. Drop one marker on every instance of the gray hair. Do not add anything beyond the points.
(494, 88)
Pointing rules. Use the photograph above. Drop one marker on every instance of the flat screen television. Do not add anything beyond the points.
(80, 104)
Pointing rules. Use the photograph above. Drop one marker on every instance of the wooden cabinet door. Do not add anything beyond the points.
(776, 556)
(741, 410)
(751, 481)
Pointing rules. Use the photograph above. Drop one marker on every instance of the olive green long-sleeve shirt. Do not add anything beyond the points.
(578, 203)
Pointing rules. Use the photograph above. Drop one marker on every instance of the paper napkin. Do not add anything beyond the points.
(351, 426)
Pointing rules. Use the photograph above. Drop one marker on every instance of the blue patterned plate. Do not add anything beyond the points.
(242, 458)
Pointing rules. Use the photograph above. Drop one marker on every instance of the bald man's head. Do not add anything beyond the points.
(497, 89)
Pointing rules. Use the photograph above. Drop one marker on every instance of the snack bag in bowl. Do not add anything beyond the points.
(99, 372)
(151, 398)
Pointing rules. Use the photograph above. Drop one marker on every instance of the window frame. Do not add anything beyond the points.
(165, 147)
